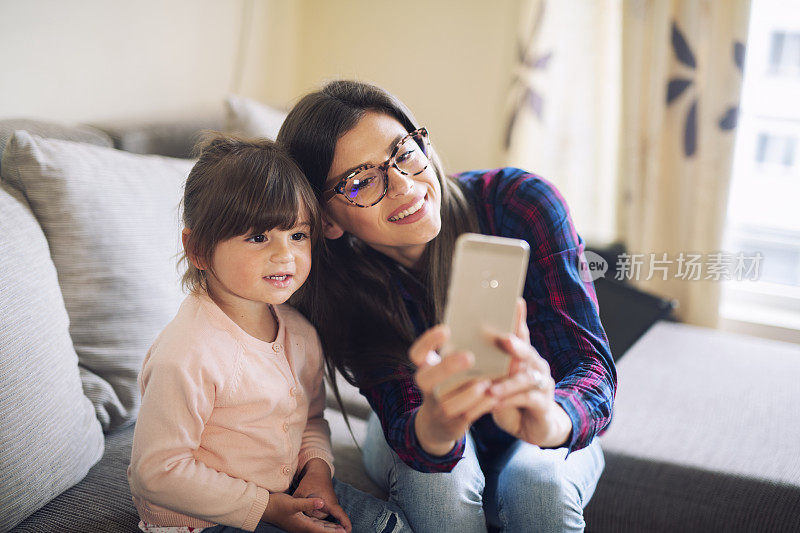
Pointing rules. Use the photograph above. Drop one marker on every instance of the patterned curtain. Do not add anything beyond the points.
(665, 104)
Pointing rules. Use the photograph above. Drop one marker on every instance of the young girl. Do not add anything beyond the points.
(518, 454)
(231, 434)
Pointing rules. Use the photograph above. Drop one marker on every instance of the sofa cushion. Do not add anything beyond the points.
(101, 502)
(51, 130)
(172, 137)
(49, 436)
(705, 435)
(111, 221)
(252, 119)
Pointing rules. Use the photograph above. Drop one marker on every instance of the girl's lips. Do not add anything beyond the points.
(410, 219)
(279, 283)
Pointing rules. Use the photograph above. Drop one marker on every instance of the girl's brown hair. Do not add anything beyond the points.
(240, 186)
(353, 297)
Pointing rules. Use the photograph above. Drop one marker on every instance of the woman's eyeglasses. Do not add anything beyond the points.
(367, 185)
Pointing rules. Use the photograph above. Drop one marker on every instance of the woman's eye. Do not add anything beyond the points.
(407, 154)
(299, 236)
(362, 183)
(257, 238)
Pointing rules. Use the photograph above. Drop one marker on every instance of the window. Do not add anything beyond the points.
(784, 55)
(763, 213)
(775, 149)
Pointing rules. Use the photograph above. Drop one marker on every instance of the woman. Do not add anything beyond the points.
(517, 454)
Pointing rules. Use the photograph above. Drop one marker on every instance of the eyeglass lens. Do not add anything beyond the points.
(367, 187)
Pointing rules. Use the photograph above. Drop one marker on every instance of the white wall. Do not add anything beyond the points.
(450, 61)
(88, 60)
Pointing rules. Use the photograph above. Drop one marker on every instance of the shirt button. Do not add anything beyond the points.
(294, 392)
(286, 470)
(277, 348)
(286, 426)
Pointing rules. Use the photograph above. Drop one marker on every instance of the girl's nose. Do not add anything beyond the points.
(399, 183)
(281, 252)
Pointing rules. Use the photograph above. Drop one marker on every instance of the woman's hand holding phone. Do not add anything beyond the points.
(442, 420)
(526, 406)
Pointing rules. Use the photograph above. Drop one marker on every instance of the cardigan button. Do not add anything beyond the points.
(286, 470)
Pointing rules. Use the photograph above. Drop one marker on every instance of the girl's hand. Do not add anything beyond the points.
(527, 408)
(289, 514)
(442, 420)
(315, 481)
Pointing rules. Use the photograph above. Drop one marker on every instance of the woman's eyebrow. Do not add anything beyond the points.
(392, 144)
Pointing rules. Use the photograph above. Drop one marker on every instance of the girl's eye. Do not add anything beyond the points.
(299, 236)
(257, 238)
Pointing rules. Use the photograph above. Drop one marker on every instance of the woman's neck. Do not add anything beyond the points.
(408, 256)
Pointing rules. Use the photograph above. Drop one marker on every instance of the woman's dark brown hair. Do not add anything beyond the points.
(240, 186)
(353, 298)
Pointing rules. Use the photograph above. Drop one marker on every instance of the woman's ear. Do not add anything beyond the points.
(189, 255)
(331, 229)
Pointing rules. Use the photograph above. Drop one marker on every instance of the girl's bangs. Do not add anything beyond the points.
(280, 203)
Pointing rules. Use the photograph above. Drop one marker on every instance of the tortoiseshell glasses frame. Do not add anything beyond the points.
(410, 157)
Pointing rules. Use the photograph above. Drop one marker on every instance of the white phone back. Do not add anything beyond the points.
(487, 278)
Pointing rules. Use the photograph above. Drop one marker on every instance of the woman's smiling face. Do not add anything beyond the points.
(383, 226)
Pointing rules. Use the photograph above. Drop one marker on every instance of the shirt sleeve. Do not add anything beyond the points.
(316, 440)
(563, 311)
(177, 399)
(396, 403)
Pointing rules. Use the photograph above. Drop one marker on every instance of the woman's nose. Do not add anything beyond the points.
(399, 184)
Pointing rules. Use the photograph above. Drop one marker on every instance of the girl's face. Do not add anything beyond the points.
(255, 269)
(371, 141)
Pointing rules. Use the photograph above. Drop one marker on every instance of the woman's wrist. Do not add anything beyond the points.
(561, 427)
(426, 437)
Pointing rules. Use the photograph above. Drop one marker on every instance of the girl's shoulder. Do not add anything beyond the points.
(192, 336)
(296, 324)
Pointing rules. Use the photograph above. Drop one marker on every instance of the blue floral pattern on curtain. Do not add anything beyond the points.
(677, 85)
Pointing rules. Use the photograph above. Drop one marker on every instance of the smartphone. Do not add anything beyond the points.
(486, 279)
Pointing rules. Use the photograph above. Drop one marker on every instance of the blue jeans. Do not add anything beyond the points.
(367, 513)
(527, 488)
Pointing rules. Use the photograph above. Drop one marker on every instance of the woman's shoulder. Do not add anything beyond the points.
(509, 191)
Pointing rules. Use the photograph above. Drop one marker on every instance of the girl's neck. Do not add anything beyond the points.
(254, 318)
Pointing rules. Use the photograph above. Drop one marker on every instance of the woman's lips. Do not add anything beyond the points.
(413, 217)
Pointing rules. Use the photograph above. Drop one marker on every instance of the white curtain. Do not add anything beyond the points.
(634, 120)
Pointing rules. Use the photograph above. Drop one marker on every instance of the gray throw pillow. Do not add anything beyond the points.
(112, 225)
(49, 435)
(51, 130)
(252, 119)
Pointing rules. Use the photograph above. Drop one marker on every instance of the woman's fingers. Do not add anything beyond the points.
(521, 329)
(484, 406)
(463, 399)
(429, 377)
(524, 352)
(525, 380)
(423, 352)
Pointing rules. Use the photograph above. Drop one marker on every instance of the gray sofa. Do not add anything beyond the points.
(706, 433)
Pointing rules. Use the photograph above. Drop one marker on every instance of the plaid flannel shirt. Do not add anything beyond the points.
(562, 317)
